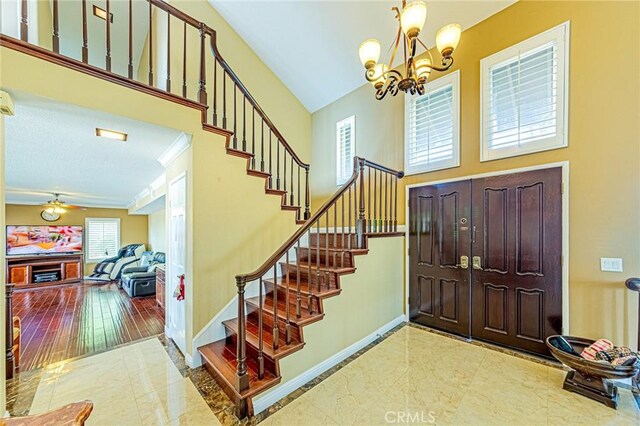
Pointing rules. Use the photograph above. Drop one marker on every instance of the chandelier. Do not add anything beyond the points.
(411, 19)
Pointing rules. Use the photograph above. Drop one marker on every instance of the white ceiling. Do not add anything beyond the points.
(312, 45)
(52, 147)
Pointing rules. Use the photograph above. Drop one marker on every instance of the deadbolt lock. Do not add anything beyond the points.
(464, 262)
(477, 262)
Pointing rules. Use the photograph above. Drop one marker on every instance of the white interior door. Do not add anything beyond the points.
(176, 312)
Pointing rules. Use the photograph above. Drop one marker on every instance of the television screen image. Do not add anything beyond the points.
(29, 240)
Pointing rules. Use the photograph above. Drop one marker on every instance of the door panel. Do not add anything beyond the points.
(439, 224)
(517, 287)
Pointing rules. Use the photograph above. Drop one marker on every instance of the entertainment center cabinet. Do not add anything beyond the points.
(44, 270)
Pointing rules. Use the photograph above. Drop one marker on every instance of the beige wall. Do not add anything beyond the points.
(133, 229)
(603, 152)
(157, 231)
(349, 317)
(283, 108)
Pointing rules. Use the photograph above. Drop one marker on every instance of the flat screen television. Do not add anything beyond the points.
(32, 240)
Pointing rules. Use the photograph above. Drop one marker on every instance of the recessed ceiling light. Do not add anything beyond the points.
(101, 13)
(111, 134)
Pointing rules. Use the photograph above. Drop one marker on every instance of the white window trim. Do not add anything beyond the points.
(452, 78)
(561, 140)
(89, 259)
(352, 122)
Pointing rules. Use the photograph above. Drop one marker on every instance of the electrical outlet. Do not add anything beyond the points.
(611, 264)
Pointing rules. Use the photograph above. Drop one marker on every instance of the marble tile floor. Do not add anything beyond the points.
(138, 384)
(409, 376)
(415, 376)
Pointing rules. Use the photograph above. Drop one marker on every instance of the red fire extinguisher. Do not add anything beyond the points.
(179, 291)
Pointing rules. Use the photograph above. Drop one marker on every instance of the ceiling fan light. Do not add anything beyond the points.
(413, 17)
(59, 210)
(423, 69)
(379, 75)
(50, 210)
(447, 39)
(369, 52)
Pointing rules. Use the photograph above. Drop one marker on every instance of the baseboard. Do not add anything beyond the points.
(267, 400)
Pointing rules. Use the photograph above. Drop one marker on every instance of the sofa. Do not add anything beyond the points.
(110, 269)
(141, 280)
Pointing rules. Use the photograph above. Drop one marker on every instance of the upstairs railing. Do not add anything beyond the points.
(206, 79)
(366, 205)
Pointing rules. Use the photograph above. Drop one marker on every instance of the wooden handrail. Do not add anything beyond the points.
(359, 163)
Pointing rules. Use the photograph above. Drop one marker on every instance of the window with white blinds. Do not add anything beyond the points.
(432, 126)
(345, 149)
(524, 104)
(102, 236)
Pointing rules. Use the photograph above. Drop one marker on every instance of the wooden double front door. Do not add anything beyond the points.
(485, 258)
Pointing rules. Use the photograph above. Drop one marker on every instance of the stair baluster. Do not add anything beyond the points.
(184, 63)
(276, 290)
(260, 337)
(287, 327)
(55, 38)
(85, 42)
(235, 117)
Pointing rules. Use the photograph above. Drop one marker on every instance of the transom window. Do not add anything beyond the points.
(432, 126)
(524, 105)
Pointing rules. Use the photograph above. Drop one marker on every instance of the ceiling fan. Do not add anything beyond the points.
(57, 206)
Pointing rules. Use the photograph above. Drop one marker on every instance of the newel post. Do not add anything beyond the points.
(307, 211)
(202, 90)
(9, 357)
(24, 21)
(361, 224)
(242, 378)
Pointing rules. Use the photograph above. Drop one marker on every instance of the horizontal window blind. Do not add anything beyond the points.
(345, 132)
(523, 98)
(103, 238)
(431, 139)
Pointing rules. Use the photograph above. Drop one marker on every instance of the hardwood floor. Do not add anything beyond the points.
(59, 323)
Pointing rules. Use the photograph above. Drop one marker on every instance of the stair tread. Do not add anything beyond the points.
(267, 337)
(304, 288)
(222, 357)
(354, 251)
(305, 266)
(239, 153)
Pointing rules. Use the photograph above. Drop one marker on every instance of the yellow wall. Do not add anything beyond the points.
(133, 229)
(238, 225)
(603, 152)
(283, 108)
(157, 231)
(349, 317)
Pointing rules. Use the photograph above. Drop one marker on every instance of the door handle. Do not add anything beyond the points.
(477, 263)
(464, 262)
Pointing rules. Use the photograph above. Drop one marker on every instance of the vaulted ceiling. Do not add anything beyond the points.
(312, 46)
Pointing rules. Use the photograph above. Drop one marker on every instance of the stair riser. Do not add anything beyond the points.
(333, 259)
(304, 297)
(325, 278)
(339, 241)
(252, 354)
(267, 324)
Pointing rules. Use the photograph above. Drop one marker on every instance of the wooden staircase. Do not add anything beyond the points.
(294, 282)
